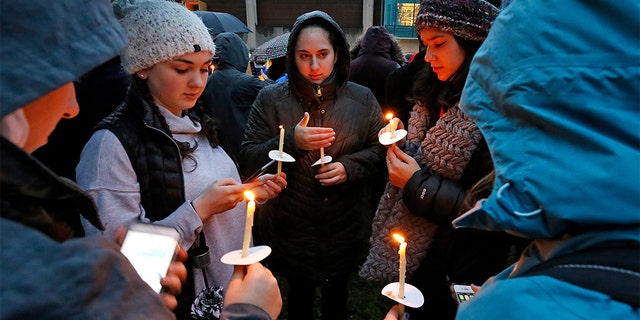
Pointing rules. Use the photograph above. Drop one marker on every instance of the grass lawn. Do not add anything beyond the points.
(365, 300)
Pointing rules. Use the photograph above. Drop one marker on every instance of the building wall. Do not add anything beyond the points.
(275, 17)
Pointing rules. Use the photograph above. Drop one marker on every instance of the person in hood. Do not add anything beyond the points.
(375, 55)
(230, 91)
(157, 158)
(318, 227)
(277, 69)
(561, 118)
(49, 270)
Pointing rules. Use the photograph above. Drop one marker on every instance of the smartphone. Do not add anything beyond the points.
(461, 293)
(150, 248)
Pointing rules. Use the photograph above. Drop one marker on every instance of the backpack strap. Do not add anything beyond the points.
(612, 268)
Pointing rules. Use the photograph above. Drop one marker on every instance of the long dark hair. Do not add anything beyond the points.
(429, 91)
(209, 125)
(479, 190)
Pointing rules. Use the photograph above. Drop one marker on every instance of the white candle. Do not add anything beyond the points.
(403, 264)
(251, 208)
(393, 124)
(403, 267)
(280, 147)
(321, 156)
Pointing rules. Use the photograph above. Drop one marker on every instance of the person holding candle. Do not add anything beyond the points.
(157, 157)
(443, 157)
(582, 216)
(318, 227)
(50, 269)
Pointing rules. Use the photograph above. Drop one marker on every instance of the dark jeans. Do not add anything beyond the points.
(301, 297)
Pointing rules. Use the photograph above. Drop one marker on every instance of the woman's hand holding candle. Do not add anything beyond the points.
(272, 185)
(220, 196)
(331, 174)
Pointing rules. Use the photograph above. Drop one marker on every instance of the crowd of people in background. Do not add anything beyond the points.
(504, 180)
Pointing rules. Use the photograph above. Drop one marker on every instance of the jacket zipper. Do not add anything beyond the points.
(166, 135)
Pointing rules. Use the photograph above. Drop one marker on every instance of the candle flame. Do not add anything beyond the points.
(398, 237)
(280, 127)
(389, 116)
(249, 195)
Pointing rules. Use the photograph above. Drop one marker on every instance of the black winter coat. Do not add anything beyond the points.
(374, 62)
(316, 232)
(230, 91)
(36, 197)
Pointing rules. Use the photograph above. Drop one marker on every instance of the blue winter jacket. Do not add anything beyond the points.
(555, 89)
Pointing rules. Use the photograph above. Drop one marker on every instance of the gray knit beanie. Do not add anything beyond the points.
(160, 30)
(468, 19)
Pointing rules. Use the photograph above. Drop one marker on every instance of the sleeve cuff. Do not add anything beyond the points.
(243, 311)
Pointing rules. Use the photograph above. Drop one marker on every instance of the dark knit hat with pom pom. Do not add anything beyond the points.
(468, 19)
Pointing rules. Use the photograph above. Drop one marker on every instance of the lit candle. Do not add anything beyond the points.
(280, 147)
(403, 264)
(321, 156)
(393, 124)
(251, 208)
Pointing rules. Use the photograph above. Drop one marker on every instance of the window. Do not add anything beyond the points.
(400, 16)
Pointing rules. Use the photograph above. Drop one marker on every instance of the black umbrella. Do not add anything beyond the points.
(219, 22)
